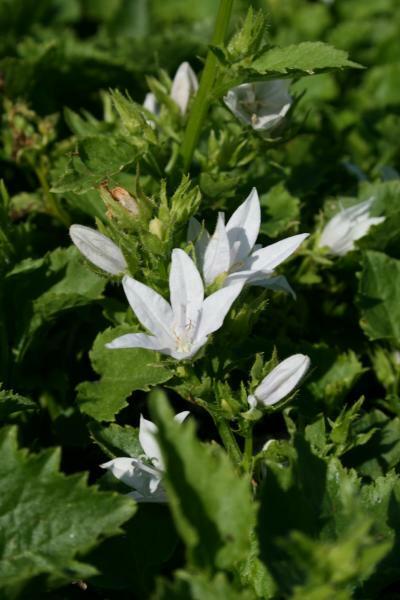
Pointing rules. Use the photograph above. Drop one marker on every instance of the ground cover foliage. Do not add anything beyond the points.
(296, 497)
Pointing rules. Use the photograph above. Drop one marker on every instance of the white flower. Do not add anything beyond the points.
(98, 249)
(231, 250)
(181, 328)
(146, 479)
(184, 86)
(262, 105)
(349, 225)
(280, 381)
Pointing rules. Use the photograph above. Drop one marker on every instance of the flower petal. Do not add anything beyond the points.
(184, 85)
(282, 380)
(217, 256)
(148, 441)
(134, 473)
(150, 103)
(151, 309)
(273, 255)
(138, 340)
(180, 417)
(243, 227)
(215, 309)
(98, 249)
(186, 290)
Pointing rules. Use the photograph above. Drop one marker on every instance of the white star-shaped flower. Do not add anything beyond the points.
(144, 477)
(349, 225)
(262, 105)
(232, 251)
(180, 328)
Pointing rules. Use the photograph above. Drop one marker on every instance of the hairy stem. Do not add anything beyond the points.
(202, 98)
(229, 441)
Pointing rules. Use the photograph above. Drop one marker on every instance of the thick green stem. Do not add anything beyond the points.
(229, 441)
(248, 451)
(202, 98)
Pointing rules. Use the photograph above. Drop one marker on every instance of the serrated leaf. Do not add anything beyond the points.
(379, 297)
(304, 58)
(48, 518)
(122, 372)
(99, 157)
(115, 440)
(211, 503)
(280, 211)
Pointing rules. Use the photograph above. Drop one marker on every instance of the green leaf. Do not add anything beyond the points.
(99, 157)
(115, 440)
(122, 372)
(211, 504)
(48, 518)
(11, 404)
(280, 211)
(307, 57)
(379, 297)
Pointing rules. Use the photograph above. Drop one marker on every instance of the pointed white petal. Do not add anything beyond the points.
(217, 255)
(138, 340)
(186, 290)
(98, 249)
(273, 255)
(282, 380)
(243, 227)
(184, 85)
(134, 473)
(215, 309)
(180, 417)
(148, 441)
(151, 309)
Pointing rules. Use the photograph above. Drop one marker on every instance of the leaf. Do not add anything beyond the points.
(99, 157)
(49, 518)
(379, 297)
(115, 440)
(280, 211)
(11, 404)
(210, 502)
(122, 372)
(307, 57)
(199, 586)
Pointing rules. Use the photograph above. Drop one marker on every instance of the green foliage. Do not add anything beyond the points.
(212, 507)
(48, 518)
(122, 372)
(282, 211)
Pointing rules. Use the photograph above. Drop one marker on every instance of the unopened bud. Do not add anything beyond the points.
(157, 228)
(122, 196)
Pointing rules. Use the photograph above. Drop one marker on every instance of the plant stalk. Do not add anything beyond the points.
(202, 99)
(229, 441)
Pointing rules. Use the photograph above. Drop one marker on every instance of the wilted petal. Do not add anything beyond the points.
(282, 380)
(268, 258)
(186, 290)
(215, 309)
(150, 308)
(98, 249)
(184, 85)
(243, 228)
(217, 255)
(138, 340)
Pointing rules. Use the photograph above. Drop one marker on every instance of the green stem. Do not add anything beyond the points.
(51, 202)
(248, 451)
(229, 441)
(202, 98)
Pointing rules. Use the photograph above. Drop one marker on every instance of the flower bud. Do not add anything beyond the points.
(98, 249)
(157, 228)
(184, 85)
(281, 381)
(122, 196)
